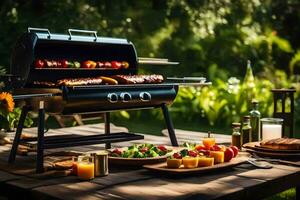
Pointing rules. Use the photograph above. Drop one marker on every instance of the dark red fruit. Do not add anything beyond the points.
(162, 148)
(116, 64)
(39, 64)
(235, 150)
(64, 63)
(117, 151)
(177, 156)
(143, 150)
(228, 154)
(215, 148)
(192, 153)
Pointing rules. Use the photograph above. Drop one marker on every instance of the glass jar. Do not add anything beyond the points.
(85, 167)
(271, 128)
(246, 134)
(236, 135)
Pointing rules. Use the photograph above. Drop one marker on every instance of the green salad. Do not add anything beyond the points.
(141, 151)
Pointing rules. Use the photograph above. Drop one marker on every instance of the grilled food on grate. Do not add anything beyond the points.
(44, 83)
(114, 80)
(79, 81)
(139, 79)
(282, 143)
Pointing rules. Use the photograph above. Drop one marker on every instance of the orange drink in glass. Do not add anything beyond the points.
(208, 142)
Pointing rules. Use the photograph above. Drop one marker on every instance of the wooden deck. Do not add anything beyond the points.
(19, 181)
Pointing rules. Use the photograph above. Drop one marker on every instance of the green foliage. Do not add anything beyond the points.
(202, 35)
(9, 121)
(295, 63)
(224, 102)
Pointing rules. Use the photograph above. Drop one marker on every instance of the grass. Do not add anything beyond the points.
(286, 195)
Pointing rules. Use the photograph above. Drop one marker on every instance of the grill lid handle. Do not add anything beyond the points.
(31, 29)
(82, 31)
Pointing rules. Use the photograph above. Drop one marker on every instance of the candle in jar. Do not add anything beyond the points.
(85, 171)
(271, 131)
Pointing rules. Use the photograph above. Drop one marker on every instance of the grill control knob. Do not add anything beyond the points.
(112, 97)
(145, 96)
(125, 96)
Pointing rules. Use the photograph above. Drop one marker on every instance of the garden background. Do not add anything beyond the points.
(209, 38)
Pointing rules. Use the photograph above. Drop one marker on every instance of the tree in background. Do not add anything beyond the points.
(213, 38)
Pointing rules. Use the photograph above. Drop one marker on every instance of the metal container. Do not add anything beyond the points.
(101, 163)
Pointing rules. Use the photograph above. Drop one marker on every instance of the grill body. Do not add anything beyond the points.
(83, 99)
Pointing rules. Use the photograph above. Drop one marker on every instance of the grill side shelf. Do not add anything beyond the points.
(72, 140)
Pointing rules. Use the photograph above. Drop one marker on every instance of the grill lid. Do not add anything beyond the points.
(41, 44)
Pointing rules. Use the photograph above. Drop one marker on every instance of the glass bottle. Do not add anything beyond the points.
(246, 134)
(236, 135)
(255, 121)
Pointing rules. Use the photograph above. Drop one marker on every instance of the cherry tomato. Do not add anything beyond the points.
(39, 64)
(117, 151)
(177, 156)
(143, 150)
(162, 148)
(192, 153)
(116, 65)
(218, 148)
(200, 147)
(64, 63)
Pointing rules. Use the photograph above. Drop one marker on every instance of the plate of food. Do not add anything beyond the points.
(139, 154)
(195, 159)
(280, 147)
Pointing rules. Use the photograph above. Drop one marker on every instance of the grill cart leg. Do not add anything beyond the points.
(107, 128)
(169, 124)
(14, 148)
(40, 140)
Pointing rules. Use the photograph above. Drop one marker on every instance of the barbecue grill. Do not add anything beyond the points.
(63, 99)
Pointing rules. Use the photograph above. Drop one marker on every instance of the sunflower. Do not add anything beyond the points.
(6, 102)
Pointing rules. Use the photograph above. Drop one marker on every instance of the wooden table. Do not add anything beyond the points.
(241, 182)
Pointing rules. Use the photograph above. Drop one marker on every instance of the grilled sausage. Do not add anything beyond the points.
(128, 79)
(139, 79)
(154, 78)
(108, 80)
(80, 81)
